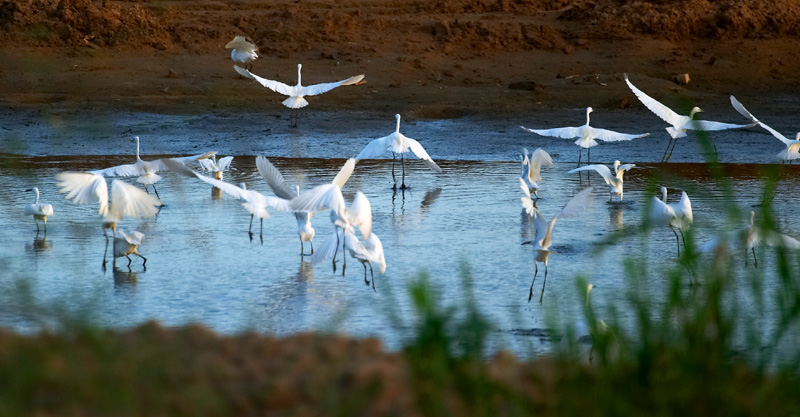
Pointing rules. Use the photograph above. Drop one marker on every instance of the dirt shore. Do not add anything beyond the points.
(437, 59)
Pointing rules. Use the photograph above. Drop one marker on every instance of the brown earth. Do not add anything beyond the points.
(437, 59)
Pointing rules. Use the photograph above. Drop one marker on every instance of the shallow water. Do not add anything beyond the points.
(202, 266)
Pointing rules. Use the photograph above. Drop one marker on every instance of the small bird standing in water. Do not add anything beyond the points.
(38, 210)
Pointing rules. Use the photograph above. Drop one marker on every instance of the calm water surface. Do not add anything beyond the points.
(202, 266)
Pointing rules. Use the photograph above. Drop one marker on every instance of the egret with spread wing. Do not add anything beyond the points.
(586, 135)
(242, 51)
(614, 181)
(297, 92)
(676, 215)
(750, 236)
(792, 150)
(531, 167)
(544, 231)
(397, 143)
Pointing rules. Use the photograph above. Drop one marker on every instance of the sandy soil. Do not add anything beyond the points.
(429, 59)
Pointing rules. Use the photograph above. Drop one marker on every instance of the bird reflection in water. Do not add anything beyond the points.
(527, 228)
(305, 273)
(124, 277)
(615, 216)
(216, 193)
(39, 246)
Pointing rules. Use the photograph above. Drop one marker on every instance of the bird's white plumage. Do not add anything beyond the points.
(586, 134)
(280, 187)
(398, 143)
(615, 181)
(751, 236)
(126, 199)
(792, 150)
(298, 91)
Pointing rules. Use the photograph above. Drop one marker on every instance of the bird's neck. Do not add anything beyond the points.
(664, 195)
(137, 148)
(397, 129)
(36, 190)
(587, 117)
(299, 78)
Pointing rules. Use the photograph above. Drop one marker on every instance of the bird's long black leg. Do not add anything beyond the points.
(344, 255)
(312, 247)
(403, 163)
(261, 231)
(156, 190)
(394, 179)
(302, 249)
(677, 240)
(664, 157)
(372, 276)
(580, 151)
(536, 271)
(364, 264)
(745, 257)
(685, 248)
(674, 144)
(755, 260)
(129, 260)
(335, 250)
(143, 259)
(145, 188)
(544, 284)
(105, 251)
(588, 156)
(250, 230)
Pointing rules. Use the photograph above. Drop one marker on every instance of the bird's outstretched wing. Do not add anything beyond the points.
(599, 168)
(135, 238)
(84, 188)
(223, 164)
(420, 152)
(360, 214)
(744, 112)
(313, 90)
(539, 226)
(626, 167)
(527, 202)
(129, 200)
(612, 136)
(376, 147)
(707, 125)
(321, 197)
(274, 178)
(329, 247)
(559, 132)
(660, 110)
(577, 204)
(127, 170)
(208, 165)
(241, 44)
(275, 86)
(538, 159)
(344, 174)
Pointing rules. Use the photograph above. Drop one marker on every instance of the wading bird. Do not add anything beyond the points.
(397, 143)
(369, 252)
(676, 215)
(750, 236)
(543, 237)
(614, 181)
(679, 124)
(242, 51)
(126, 245)
(530, 168)
(254, 202)
(277, 183)
(586, 135)
(792, 150)
(297, 92)
(126, 199)
(216, 168)
(38, 210)
(146, 170)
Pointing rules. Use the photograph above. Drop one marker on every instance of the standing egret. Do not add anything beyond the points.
(586, 135)
(397, 143)
(543, 238)
(369, 252)
(126, 200)
(750, 236)
(38, 210)
(278, 184)
(254, 202)
(128, 244)
(531, 166)
(614, 181)
(679, 124)
(242, 51)
(676, 215)
(297, 92)
(792, 150)
(146, 170)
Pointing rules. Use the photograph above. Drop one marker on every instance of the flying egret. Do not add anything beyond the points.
(614, 181)
(749, 237)
(216, 168)
(38, 210)
(146, 170)
(676, 215)
(586, 135)
(792, 150)
(543, 238)
(254, 202)
(297, 92)
(126, 245)
(531, 166)
(369, 252)
(679, 124)
(397, 143)
(242, 50)
(126, 199)
(527, 202)
(277, 183)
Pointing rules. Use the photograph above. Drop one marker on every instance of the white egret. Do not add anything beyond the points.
(369, 252)
(126, 245)
(679, 124)
(277, 183)
(297, 92)
(676, 215)
(586, 135)
(750, 236)
(543, 237)
(242, 50)
(254, 202)
(531, 166)
(397, 143)
(126, 199)
(614, 181)
(527, 202)
(216, 168)
(792, 150)
(147, 171)
(38, 210)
